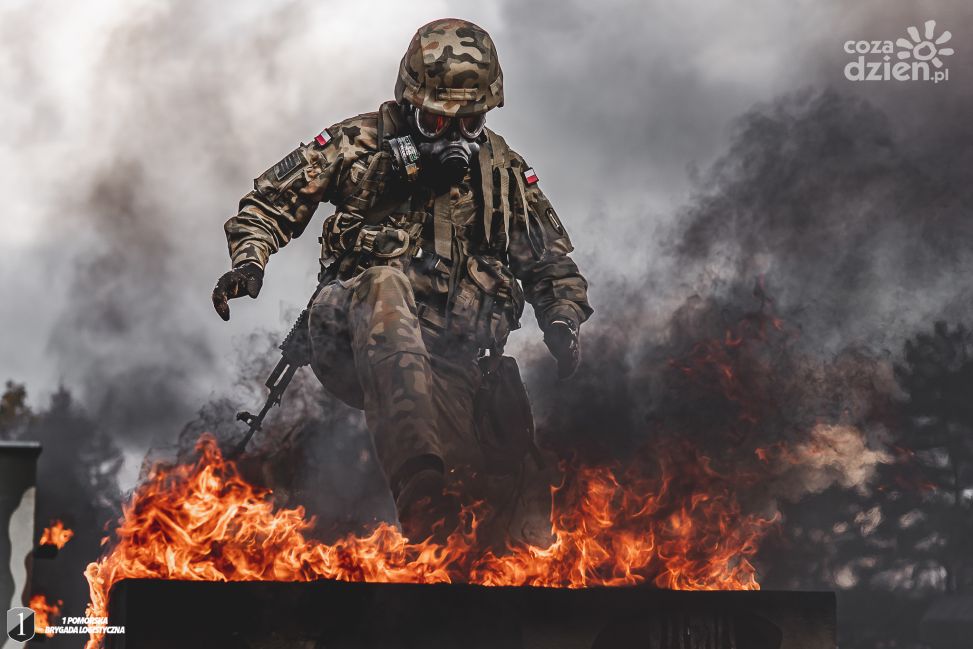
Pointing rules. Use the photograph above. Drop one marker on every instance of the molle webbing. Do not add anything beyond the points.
(486, 185)
(442, 227)
(389, 121)
(522, 193)
(504, 198)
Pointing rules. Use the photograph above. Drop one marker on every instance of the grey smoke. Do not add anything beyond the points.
(688, 150)
(825, 213)
(135, 129)
(860, 233)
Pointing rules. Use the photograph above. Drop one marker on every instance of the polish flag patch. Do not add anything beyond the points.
(323, 137)
(530, 176)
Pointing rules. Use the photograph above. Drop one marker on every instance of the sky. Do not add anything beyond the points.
(131, 130)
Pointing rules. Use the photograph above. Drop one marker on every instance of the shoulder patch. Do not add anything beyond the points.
(530, 176)
(291, 161)
(323, 138)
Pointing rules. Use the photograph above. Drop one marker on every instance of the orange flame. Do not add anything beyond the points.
(57, 534)
(681, 530)
(43, 612)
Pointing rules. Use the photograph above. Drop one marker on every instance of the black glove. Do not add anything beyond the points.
(245, 279)
(561, 337)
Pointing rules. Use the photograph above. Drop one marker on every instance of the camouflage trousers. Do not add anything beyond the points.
(369, 348)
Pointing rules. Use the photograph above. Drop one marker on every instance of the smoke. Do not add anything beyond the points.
(121, 296)
(159, 116)
(812, 249)
(128, 336)
(821, 228)
(831, 455)
(850, 227)
(158, 122)
(314, 451)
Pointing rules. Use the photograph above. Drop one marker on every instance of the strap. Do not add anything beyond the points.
(442, 226)
(380, 124)
(505, 203)
(486, 181)
(501, 160)
(390, 121)
(496, 172)
(522, 189)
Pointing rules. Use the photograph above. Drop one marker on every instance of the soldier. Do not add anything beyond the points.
(440, 235)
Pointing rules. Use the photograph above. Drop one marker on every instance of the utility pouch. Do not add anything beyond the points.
(499, 300)
(386, 246)
(394, 242)
(369, 182)
(504, 424)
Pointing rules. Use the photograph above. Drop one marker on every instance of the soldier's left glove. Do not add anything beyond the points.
(561, 337)
(245, 279)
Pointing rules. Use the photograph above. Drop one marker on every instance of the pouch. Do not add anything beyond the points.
(498, 304)
(503, 421)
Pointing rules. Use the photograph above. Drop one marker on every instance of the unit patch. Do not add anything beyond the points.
(291, 161)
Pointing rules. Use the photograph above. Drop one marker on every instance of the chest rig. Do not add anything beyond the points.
(453, 244)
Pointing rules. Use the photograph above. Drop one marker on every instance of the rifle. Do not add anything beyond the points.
(295, 354)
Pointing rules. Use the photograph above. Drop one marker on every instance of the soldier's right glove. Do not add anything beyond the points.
(245, 279)
(561, 337)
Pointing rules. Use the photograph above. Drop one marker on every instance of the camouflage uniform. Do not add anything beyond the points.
(426, 278)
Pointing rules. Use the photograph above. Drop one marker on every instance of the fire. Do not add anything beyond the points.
(671, 518)
(43, 613)
(682, 529)
(57, 535)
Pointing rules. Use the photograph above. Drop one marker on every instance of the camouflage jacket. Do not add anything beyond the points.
(477, 251)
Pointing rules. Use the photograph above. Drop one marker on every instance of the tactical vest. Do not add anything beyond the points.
(464, 293)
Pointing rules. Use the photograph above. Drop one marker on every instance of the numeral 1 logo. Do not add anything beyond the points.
(20, 624)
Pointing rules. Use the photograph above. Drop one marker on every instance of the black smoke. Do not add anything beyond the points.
(829, 240)
(851, 226)
(845, 219)
(137, 359)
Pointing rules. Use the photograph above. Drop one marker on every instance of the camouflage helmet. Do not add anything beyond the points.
(451, 68)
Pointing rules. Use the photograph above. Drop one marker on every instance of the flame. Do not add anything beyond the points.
(43, 612)
(670, 518)
(682, 529)
(57, 534)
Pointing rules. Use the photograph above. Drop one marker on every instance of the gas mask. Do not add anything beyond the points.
(441, 149)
